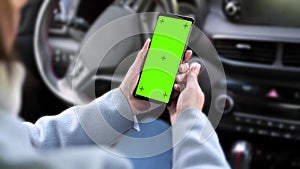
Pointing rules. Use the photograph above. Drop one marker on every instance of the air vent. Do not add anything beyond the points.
(291, 55)
(247, 51)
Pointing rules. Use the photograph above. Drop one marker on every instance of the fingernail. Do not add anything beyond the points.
(195, 67)
(148, 40)
(146, 44)
(176, 86)
(180, 67)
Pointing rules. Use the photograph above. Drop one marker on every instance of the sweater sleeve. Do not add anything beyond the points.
(100, 122)
(196, 144)
(17, 152)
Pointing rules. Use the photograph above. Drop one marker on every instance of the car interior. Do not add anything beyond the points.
(257, 42)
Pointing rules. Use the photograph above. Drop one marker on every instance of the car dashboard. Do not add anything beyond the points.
(262, 66)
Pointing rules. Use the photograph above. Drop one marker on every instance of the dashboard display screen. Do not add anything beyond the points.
(271, 12)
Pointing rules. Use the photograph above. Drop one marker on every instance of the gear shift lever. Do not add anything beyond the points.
(241, 155)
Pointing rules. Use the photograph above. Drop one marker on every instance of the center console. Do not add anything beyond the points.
(262, 109)
(258, 42)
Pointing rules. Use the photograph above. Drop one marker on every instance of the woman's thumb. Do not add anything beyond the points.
(192, 77)
(141, 55)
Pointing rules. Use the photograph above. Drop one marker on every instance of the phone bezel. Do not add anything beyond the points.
(186, 44)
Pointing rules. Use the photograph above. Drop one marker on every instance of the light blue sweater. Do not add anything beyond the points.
(106, 122)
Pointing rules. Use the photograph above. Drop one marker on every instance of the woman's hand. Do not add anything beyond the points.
(189, 91)
(131, 79)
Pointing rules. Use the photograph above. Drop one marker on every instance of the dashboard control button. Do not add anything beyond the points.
(280, 125)
(64, 57)
(270, 124)
(287, 136)
(237, 119)
(297, 95)
(248, 120)
(71, 57)
(273, 94)
(262, 132)
(292, 127)
(224, 103)
(238, 128)
(251, 130)
(258, 152)
(275, 134)
(258, 122)
(231, 8)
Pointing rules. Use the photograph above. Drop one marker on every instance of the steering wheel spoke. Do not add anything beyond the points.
(64, 44)
(109, 78)
(63, 51)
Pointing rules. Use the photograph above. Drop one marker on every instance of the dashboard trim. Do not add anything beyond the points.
(266, 118)
(277, 65)
(260, 66)
(254, 38)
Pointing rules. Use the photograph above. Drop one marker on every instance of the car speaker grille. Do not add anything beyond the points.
(247, 51)
(291, 55)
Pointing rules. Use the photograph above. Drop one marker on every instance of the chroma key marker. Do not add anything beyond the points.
(185, 25)
(142, 88)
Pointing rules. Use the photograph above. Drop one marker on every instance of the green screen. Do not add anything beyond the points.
(163, 58)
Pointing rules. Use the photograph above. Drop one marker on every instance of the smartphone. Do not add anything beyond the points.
(165, 54)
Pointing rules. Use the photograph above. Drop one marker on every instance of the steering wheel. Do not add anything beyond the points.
(59, 35)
